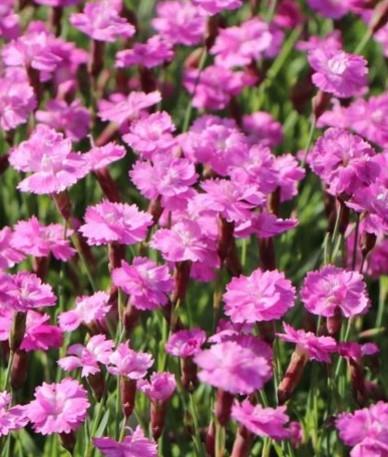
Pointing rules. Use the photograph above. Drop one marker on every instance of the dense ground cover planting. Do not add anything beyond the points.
(193, 228)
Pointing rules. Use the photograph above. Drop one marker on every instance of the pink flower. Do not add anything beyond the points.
(17, 102)
(153, 53)
(151, 134)
(212, 7)
(58, 408)
(343, 161)
(264, 225)
(161, 387)
(290, 173)
(265, 422)
(126, 362)
(317, 348)
(214, 87)
(135, 445)
(48, 156)
(109, 222)
(73, 119)
(186, 343)
(25, 291)
(288, 14)
(9, 21)
(262, 127)
(87, 310)
(332, 40)
(179, 22)
(147, 283)
(235, 366)
(57, 2)
(337, 72)
(39, 334)
(240, 45)
(261, 296)
(101, 157)
(102, 22)
(356, 351)
(330, 8)
(331, 289)
(33, 238)
(97, 350)
(122, 108)
(11, 417)
(9, 256)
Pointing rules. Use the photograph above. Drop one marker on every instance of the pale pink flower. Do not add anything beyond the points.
(134, 445)
(265, 422)
(186, 343)
(122, 108)
(97, 351)
(263, 128)
(147, 283)
(101, 157)
(11, 417)
(88, 309)
(58, 408)
(318, 348)
(9, 255)
(212, 7)
(129, 363)
(333, 289)
(160, 387)
(109, 222)
(261, 296)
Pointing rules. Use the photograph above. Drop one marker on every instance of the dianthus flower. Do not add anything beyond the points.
(33, 238)
(97, 351)
(153, 53)
(212, 7)
(47, 155)
(215, 142)
(73, 119)
(17, 102)
(129, 363)
(240, 45)
(179, 22)
(58, 408)
(9, 256)
(151, 134)
(11, 417)
(261, 296)
(337, 72)
(264, 225)
(318, 348)
(122, 108)
(365, 430)
(185, 343)
(100, 157)
(147, 283)
(214, 87)
(102, 22)
(160, 387)
(39, 335)
(135, 445)
(109, 222)
(332, 40)
(288, 15)
(330, 289)
(343, 161)
(263, 128)
(289, 175)
(330, 8)
(356, 351)
(238, 366)
(62, 3)
(9, 21)
(265, 422)
(88, 310)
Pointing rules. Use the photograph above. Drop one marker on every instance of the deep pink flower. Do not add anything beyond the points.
(212, 7)
(122, 108)
(186, 343)
(237, 367)
(343, 161)
(179, 22)
(265, 422)
(9, 256)
(161, 386)
(101, 157)
(135, 445)
(331, 289)
(214, 87)
(261, 296)
(126, 362)
(93, 308)
(288, 14)
(264, 225)
(109, 222)
(73, 119)
(290, 173)
(147, 283)
(153, 53)
(356, 351)
(11, 417)
(33, 238)
(330, 8)
(97, 350)
(57, 2)
(9, 21)
(58, 408)
(102, 22)
(151, 134)
(337, 72)
(262, 127)
(317, 348)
